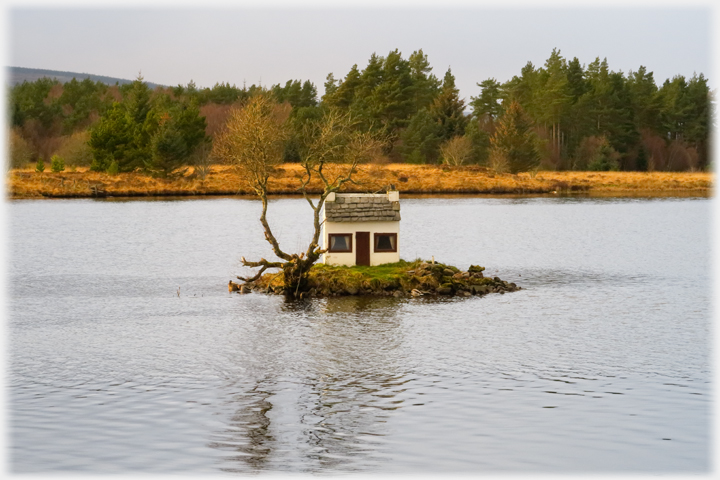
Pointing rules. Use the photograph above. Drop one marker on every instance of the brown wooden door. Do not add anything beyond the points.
(362, 248)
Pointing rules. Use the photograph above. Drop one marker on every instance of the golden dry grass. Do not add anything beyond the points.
(416, 179)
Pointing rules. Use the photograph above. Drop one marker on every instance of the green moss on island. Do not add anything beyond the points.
(401, 279)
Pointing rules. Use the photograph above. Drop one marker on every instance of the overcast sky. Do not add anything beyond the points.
(174, 46)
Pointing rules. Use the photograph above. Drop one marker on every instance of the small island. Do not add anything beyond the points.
(400, 279)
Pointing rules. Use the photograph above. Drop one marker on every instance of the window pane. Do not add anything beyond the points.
(339, 242)
(385, 242)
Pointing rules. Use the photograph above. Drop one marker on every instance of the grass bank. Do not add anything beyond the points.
(413, 179)
(401, 279)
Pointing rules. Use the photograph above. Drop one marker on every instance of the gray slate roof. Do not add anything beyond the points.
(362, 208)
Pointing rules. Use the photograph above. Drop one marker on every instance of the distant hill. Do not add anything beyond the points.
(17, 75)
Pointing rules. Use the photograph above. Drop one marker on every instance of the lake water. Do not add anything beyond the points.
(128, 354)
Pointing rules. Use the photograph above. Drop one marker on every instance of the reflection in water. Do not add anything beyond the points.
(385, 306)
(110, 371)
(347, 384)
(353, 391)
(247, 436)
(346, 418)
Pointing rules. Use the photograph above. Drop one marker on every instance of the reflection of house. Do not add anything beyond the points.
(361, 229)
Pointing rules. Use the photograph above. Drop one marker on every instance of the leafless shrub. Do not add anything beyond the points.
(20, 151)
(74, 149)
(456, 151)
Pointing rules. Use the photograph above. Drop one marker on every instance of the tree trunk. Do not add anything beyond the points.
(295, 275)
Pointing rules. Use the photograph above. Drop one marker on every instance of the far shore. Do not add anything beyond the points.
(408, 179)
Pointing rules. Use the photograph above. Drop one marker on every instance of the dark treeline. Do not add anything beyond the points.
(561, 116)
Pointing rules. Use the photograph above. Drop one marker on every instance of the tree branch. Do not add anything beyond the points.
(264, 264)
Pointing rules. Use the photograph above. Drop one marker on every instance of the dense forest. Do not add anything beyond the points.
(561, 116)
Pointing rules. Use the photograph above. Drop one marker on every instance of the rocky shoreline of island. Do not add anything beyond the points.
(402, 279)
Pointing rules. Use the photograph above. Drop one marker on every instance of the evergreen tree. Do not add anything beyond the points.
(181, 130)
(553, 98)
(522, 88)
(30, 100)
(699, 117)
(308, 95)
(371, 76)
(296, 93)
(421, 139)
(331, 86)
(111, 138)
(57, 164)
(577, 85)
(81, 99)
(514, 141)
(425, 85)
(392, 99)
(487, 104)
(143, 133)
(480, 141)
(448, 109)
(646, 103)
(344, 95)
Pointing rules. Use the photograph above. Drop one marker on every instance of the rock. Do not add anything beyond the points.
(448, 273)
(397, 294)
(351, 290)
(445, 289)
(475, 269)
(480, 289)
(416, 293)
(465, 293)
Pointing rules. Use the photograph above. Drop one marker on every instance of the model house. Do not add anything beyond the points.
(361, 228)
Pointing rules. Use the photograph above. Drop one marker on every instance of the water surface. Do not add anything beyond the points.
(127, 353)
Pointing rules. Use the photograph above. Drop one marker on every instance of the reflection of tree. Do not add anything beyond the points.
(354, 390)
(333, 369)
(347, 417)
(248, 431)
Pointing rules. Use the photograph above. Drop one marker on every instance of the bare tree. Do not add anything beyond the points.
(254, 140)
(456, 151)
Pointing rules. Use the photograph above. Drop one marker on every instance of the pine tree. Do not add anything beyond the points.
(425, 85)
(57, 164)
(344, 95)
(392, 100)
(448, 109)
(514, 141)
(645, 101)
(181, 131)
(421, 139)
(553, 98)
(331, 86)
(699, 118)
(487, 104)
(577, 85)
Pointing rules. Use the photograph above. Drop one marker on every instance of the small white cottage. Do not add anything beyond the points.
(361, 228)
